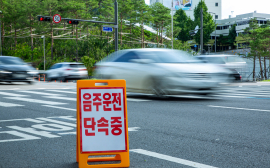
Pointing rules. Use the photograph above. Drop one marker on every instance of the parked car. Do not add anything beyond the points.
(13, 69)
(232, 62)
(67, 71)
(161, 72)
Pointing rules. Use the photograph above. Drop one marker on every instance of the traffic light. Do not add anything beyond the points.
(44, 18)
(73, 22)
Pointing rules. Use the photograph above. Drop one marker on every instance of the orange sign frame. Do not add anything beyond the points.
(83, 157)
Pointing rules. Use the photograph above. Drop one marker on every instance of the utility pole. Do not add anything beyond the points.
(201, 28)
(0, 35)
(172, 24)
(215, 31)
(116, 24)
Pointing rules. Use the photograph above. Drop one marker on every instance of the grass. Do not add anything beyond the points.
(266, 80)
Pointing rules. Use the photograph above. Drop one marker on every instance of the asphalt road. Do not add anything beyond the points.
(231, 130)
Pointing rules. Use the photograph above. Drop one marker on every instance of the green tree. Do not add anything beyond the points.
(161, 19)
(232, 35)
(143, 15)
(208, 22)
(184, 23)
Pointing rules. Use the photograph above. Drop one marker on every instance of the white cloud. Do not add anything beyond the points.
(244, 6)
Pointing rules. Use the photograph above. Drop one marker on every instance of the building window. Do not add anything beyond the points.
(216, 17)
(216, 4)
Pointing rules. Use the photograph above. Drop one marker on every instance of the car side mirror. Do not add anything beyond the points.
(142, 61)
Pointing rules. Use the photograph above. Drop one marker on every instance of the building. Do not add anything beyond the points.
(214, 6)
(241, 22)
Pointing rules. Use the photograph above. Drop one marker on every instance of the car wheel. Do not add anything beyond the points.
(30, 82)
(156, 88)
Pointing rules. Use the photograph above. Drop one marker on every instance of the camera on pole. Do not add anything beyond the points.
(73, 22)
(44, 18)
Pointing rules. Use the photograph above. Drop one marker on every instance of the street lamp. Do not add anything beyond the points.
(215, 31)
(43, 37)
(0, 35)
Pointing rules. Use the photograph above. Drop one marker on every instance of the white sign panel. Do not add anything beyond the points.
(102, 113)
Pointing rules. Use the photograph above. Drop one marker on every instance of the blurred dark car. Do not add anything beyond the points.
(13, 69)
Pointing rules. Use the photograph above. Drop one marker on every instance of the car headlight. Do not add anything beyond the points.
(5, 72)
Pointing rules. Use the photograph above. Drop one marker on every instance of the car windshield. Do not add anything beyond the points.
(11, 61)
(174, 56)
(77, 66)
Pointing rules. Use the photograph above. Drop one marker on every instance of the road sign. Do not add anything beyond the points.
(107, 29)
(102, 122)
(195, 46)
(56, 18)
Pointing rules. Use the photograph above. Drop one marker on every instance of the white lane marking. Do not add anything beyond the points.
(12, 94)
(60, 108)
(34, 131)
(26, 119)
(34, 100)
(61, 98)
(240, 86)
(68, 133)
(237, 108)
(23, 136)
(58, 122)
(249, 95)
(170, 158)
(41, 88)
(39, 93)
(61, 91)
(136, 100)
(133, 128)
(3, 104)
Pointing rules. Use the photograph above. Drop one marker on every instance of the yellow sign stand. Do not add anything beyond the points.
(102, 123)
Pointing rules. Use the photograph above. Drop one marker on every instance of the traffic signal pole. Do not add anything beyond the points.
(115, 23)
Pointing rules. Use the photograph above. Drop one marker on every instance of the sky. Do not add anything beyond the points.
(241, 7)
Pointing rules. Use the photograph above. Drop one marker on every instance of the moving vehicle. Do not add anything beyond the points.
(67, 71)
(234, 63)
(13, 69)
(161, 72)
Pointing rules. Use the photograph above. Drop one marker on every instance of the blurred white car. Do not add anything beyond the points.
(161, 72)
(67, 71)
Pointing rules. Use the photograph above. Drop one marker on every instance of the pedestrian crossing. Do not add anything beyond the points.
(51, 98)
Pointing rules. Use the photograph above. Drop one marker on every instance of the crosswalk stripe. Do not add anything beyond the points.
(4, 104)
(61, 98)
(34, 100)
(61, 91)
(40, 93)
(12, 94)
(60, 108)
(137, 100)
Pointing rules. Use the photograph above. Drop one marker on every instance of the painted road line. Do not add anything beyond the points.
(39, 93)
(61, 91)
(34, 100)
(170, 158)
(248, 94)
(12, 94)
(137, 100)
(237, 108)
(68, 133)
(3, 104)
(61, 98)
(63, 108)
(133, 128)
(58, 122)
(23, 137)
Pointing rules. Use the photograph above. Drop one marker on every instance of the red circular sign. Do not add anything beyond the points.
(56, 18)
